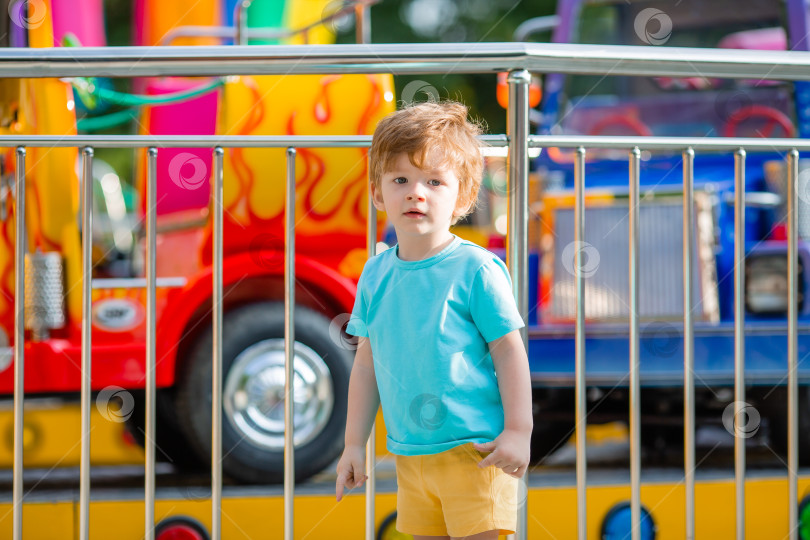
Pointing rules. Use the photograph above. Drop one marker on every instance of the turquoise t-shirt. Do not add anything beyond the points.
(429, 323)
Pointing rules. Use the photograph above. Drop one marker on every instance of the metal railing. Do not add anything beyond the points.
(422, 59)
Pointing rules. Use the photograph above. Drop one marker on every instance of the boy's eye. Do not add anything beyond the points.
(400, 180)
(435, 182)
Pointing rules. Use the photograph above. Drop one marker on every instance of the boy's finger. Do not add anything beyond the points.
(485, 447)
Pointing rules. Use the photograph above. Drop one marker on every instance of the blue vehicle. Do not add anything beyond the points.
(694, 107)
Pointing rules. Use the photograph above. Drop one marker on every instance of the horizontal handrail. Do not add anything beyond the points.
(410, 58)
(730, 144)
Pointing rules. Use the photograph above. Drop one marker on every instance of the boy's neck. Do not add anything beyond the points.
(418, 248)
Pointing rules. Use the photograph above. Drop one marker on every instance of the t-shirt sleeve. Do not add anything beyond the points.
(357, 323)
(492, 304)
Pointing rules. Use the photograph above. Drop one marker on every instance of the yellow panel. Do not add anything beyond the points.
(331, 182)
(300, 13)
(52, 437)
(552, 513)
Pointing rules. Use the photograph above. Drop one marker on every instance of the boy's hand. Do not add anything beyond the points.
(510, 452)
(351, 469)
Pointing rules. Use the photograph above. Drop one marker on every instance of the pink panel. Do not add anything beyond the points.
(83, 18)
(183, 173)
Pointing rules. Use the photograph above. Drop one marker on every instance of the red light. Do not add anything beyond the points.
(179, 532)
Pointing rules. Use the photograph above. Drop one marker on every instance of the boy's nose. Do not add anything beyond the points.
(416, 194)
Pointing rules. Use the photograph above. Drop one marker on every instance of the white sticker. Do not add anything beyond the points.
(117, 314)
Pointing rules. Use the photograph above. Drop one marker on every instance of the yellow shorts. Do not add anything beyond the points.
(448, 494)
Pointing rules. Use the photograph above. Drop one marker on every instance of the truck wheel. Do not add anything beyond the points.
(776, 411)
(171, 446)
(253, 394)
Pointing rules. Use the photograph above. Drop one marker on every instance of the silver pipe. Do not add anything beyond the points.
(371, 447)
(362, 17)
(580, 389)
(222, 32)
(739, 338)
(793, 383)
(364, 141)
(138, 283)
(518, 224)
(289, 348)
(151, 271)
(688, 342)
(635, 401)
(216, 376)
(87, 340)
(403, 58)
(19, 344)
(241, 22)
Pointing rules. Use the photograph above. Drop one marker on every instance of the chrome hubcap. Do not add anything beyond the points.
(253, 397)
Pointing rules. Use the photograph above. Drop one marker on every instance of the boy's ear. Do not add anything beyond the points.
(376, 197)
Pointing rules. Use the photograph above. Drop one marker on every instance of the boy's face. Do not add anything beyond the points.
(418, 202)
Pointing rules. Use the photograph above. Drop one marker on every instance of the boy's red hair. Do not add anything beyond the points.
(427, 128)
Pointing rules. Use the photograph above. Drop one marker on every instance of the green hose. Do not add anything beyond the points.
(107, 121)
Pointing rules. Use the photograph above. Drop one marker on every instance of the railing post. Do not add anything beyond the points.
(579, 366)
(688, 343)
(151, 271)
(216, 375)
(635, 391)
(518, 223)
(371, 446)
(19, 344)
(793, 381)
(289, 347)
(362, 17)
(739, 340)
(87, 343)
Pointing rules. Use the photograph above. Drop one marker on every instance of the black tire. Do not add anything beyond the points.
(776, 412)
(251, 328)
(171, 446)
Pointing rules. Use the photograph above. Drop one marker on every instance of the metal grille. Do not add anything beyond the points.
(44, 291)
(605, 263)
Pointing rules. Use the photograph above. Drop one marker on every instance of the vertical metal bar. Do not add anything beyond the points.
(635, 402)
(793, 382)
(518, 221)
(688, 343)
(739, 338)
(151, 256)
(362, 17)
(289, 349)
(216, 361)
(371, 447)
(19, 344)
(87, 343)
(241, 22)
(581, 404)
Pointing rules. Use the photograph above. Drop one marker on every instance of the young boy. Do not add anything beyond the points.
(439, 344)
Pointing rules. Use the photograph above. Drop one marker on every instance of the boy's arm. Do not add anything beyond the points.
(511, 449)
(364, 400)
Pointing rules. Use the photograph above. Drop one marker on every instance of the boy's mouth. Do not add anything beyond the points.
(414, 214)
